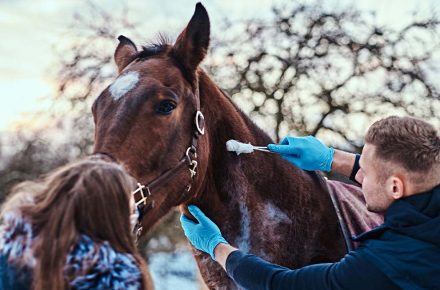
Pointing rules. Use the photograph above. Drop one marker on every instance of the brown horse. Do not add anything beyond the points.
(151, 121)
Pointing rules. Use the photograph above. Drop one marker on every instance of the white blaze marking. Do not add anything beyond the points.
(123, 84)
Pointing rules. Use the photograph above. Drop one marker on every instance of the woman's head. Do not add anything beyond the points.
(91, 197)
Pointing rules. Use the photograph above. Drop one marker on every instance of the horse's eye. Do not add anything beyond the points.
(165, 107)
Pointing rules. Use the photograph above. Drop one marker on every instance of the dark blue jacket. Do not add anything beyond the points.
(9, 277)
(403, 253)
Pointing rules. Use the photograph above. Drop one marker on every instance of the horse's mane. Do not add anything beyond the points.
(160, 46)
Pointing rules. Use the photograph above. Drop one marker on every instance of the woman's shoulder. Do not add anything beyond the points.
(92, 265)
(89, 265)
(16, 240)
(15, 255)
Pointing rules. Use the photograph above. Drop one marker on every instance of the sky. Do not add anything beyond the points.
(31, 29)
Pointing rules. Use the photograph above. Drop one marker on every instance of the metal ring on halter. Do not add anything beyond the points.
(139, 231)
(193, 150)
(200, 117)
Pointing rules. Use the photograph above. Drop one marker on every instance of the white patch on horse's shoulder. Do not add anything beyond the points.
(123, 84)
(243, 240)
(275, 214)
(204, 260)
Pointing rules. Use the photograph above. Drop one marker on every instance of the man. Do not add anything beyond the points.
(399, 171)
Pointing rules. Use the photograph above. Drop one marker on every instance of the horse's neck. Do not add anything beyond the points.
(258, 182)
(260, 173)
(262, 204)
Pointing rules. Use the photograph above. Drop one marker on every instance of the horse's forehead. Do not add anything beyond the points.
(123, 84)
(161, 69)
(140, 73)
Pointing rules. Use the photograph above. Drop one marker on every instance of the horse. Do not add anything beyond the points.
(166, 121)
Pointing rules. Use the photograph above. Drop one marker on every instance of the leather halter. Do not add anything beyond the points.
(188, 162)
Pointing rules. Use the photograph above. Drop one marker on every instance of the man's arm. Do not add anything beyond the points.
(222, 252)
(309, 153)
(252, 272)
(352, 272)
(343, 162)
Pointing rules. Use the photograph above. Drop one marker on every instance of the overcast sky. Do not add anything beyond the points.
(29, 29)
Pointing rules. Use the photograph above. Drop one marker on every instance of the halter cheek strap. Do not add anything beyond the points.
(189, 161)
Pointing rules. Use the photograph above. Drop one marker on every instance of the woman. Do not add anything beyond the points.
(72, 230)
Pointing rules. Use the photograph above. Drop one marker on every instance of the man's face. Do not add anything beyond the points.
(374, 185)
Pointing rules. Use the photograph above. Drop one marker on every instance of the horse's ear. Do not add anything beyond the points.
(125, 52)
(192, 44)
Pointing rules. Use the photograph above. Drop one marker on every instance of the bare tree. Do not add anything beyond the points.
(27, 155)
(84, 67)
(311, 70)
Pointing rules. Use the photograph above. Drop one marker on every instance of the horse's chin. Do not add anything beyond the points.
(183, 208)
(152, 213)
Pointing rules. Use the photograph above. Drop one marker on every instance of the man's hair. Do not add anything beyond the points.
(412, 143)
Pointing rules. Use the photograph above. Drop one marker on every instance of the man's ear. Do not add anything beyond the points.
(125, 52)
(397, 186)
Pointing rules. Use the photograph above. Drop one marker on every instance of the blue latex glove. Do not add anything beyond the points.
(307, 153)
(205, 235)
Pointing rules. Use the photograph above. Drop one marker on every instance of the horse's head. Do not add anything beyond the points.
(148, 119)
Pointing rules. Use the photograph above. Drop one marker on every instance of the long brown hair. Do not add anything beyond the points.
(89, 197)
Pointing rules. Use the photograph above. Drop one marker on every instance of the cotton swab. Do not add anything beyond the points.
(238, 147)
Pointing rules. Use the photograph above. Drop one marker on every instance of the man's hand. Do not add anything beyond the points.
(204, 235)
(307, 153)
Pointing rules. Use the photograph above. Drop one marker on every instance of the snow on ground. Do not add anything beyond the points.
(175, 270)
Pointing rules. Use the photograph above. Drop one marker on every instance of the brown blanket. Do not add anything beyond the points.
(350, 207)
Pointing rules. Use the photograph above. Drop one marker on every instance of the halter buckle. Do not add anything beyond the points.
(193, 169)
(143, 196)
(200, 123)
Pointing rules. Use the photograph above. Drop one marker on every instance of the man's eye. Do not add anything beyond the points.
(165, 107)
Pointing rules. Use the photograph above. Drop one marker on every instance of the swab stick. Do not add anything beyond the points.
(238, 147)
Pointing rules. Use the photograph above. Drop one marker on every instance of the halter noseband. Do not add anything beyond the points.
(188, 161)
